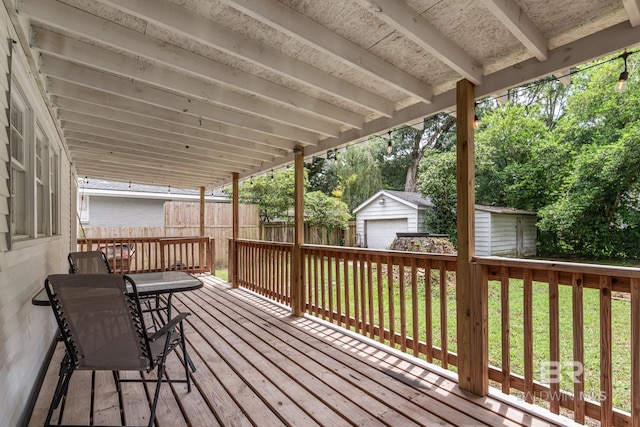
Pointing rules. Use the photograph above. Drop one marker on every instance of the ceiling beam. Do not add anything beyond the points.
(410, 23)
(167, 137)
(63, 90)
(65, 105)
(516, 21)
(87, 77)
(221, 76)
(133, 157)
(154, 143)
(294, 24)
(633, 10)
(189, 89)
(192, 25)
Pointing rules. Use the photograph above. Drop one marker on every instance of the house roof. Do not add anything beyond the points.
(412, 200)
(99, 187)
(188, 92)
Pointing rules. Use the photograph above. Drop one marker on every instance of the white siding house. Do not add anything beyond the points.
(386, 213)
(37, 225)
(499, 231)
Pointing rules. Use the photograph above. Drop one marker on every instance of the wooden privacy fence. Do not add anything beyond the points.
(283, 232)
(139, 255)
(538, 335)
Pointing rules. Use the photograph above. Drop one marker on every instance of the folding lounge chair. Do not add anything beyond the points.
(93, 262)
(103, 328)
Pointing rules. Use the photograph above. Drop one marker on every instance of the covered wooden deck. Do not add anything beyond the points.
(257, 365)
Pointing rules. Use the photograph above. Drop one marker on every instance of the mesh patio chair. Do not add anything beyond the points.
(102, 327)
(91, 262)
(95, 262)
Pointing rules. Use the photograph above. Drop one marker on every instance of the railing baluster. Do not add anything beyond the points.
(444, 334)
(578, 348)
(635, 352)
(428, 311)
(414, 308)
(372, 321)
(403, 306)
(506, 328)
(554, 338)
(330, 262)
(338, 293)
(381, 321)
(528, 335)
(606, 388)
(391, 305)
(364, 296)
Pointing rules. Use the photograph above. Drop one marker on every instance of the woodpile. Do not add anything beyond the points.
(434, 245)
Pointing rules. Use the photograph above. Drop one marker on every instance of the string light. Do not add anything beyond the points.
(476, 120)
(621, 86)
(389, 144)
(272, 177)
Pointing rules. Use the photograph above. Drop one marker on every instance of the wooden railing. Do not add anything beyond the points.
(541, 313)
(265, 268)
(553, 305)
(138, 255)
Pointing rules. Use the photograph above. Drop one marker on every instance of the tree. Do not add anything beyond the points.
(273, 193)
(400, 167)
(518, 161)
(322, 210)
(358, 175)
(438, 182)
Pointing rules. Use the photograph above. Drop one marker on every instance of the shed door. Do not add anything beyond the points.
(380, 233)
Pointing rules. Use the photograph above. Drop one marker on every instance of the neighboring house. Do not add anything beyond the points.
(386, 213)
(118, 204)
(499, 231)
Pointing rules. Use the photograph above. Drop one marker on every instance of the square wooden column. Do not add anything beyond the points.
(233, 254)
(297, 282)
(471, 289)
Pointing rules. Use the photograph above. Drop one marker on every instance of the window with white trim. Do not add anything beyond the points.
(20, 163)
(35, 175)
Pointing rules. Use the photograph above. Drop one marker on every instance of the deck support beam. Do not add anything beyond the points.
(471, 289)
(233, 255)
(297, 282)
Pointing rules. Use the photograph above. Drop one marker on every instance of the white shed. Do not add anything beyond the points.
(386, 213)
(505, 232)
(499, 231)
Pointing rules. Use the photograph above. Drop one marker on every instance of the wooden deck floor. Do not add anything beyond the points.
(257, 365)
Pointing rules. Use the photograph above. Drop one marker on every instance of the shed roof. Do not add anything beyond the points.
(412, 200)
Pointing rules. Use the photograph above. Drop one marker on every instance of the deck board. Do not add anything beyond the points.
(257, 365)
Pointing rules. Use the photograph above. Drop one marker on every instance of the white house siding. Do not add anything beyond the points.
(504, 230)
(125, 212)
(26, 331)
(483, 233)
(391, 209)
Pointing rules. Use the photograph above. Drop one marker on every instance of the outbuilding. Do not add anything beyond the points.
(386, 213)
(500, 231)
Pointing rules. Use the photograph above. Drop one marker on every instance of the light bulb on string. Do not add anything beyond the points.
(621, 86)
(389, 144)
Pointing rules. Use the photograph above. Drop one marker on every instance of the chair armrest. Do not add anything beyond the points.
(168, 326)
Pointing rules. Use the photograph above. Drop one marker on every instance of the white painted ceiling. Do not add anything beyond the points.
(186, 92)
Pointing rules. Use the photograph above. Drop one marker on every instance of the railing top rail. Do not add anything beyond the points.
(567, 267)
(384, 252)
(264, 242)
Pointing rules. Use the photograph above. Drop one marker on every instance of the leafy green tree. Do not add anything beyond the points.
(438, 182)
(596, 213)
(399, 168)
(323, 210)
(358, 175)
(518, 161)
(322, 175)
(273, 193)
